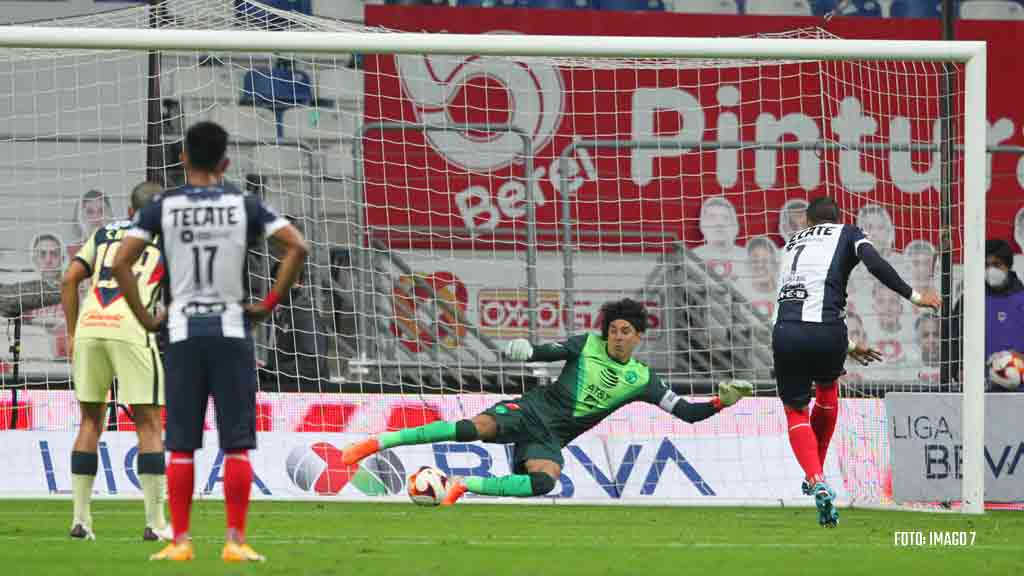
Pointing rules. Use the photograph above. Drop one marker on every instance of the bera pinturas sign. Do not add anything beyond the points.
(464, 185)
(926, 440)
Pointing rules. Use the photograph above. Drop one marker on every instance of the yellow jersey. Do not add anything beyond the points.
(104, 312)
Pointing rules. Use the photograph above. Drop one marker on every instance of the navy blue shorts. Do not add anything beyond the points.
(211, 365)
(807, 352)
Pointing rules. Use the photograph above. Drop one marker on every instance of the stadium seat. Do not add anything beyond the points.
(703, 6)
(207, 83)
(349, 10)
(630, 5)
(276, 88)
(244, 124)
(280, 161)
(251, 13)
(779, 7)
(917, 9)
(490, 3)
(560, 4)
(343, 85)
(319, 124)
(869, 8)
(991, 10)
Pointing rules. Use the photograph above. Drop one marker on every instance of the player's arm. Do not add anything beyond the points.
(521, 350)
(729, 393)
(73, 276)
(146, 227)
(129, 251)
(295, 251)
(887, 275)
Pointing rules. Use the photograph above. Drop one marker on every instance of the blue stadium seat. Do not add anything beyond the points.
(919, 9)
(251, 13)
(276, 88)
(869, 8)
(631, 5)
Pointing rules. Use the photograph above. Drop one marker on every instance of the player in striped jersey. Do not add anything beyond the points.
(810, 341)
(106, 342)
(204, 230)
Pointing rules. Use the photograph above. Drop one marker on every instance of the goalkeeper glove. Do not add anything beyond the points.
(731, 391)
(519, 350)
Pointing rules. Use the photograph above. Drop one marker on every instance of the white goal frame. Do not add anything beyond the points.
(971, 54)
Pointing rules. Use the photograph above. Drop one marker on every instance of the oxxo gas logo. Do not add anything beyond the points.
(444, 89)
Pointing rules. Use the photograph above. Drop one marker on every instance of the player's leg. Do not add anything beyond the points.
(186, 412)
(92, 375)
(233, 383)
(824, 415)
(482, 427)
(538, 465)
(141, 377)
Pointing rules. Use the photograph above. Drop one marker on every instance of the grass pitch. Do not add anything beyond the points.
(321, 538)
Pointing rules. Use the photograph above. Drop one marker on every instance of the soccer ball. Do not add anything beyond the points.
(427, 486)
(1006, 369)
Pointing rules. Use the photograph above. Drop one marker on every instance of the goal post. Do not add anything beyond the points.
(603, 51)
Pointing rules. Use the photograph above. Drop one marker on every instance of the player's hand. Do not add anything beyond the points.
(153, 323)
(731, 391)
(864, 354)
(519, 350)
(257, 311)
(927, 298)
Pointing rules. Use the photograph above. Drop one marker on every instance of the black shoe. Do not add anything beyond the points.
(150, 535)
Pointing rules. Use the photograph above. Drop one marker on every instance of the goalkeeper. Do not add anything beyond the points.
(600, 375)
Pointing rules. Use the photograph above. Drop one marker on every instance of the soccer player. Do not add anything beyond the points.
(600, 376)
(204, 229)
(810, 340)
(106, 341)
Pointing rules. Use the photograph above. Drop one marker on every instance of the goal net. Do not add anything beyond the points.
(455, 202)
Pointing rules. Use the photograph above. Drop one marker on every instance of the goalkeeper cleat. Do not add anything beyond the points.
(80, 532)
(174, 552)
(235, 552)
(456, 489)
(353, 453)
(824, 500)
(164, 534)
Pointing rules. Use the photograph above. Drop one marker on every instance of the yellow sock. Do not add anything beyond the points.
(153, 489)
(81, 495)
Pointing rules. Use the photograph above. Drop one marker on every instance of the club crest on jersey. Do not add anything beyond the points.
(631, 377)
(609, 378)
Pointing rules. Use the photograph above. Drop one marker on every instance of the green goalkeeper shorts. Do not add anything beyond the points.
(530, 440)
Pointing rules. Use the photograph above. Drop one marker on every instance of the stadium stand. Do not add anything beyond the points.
(779, 7)
(703, 6)
(991, 10)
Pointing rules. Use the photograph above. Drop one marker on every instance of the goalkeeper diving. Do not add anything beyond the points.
(600, 376)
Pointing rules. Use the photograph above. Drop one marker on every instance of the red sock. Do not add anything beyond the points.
(180, 483)
(824, 416)
(805, 446)
(237, 485)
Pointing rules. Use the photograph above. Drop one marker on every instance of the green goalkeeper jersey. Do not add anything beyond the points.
(591, 386)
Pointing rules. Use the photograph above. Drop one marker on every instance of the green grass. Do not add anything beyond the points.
(378, 539)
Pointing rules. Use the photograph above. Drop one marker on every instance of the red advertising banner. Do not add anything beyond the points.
(471, 187)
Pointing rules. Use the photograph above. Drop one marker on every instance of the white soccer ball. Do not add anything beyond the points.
(1006, 369)
(428, 486)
